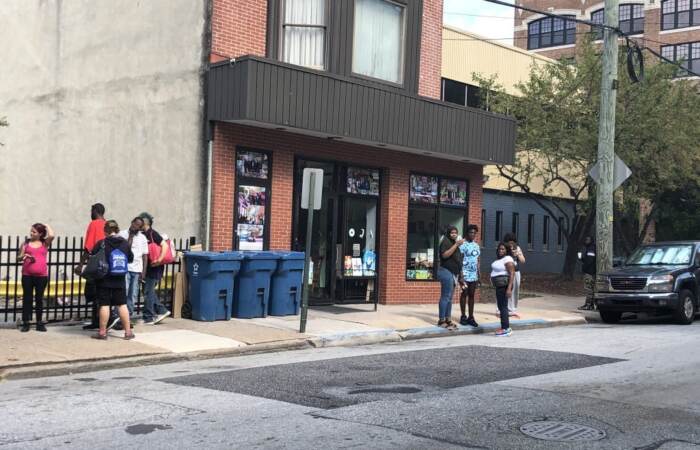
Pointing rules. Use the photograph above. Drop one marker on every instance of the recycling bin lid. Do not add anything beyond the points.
(261, 255)
(292, 255)
(214, 256)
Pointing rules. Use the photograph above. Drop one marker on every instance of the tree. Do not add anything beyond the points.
(657, 135)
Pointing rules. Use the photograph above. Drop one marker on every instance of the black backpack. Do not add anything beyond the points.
(97, 266)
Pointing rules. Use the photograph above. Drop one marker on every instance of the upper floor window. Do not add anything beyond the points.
(687, 55)
(304, 33)
(679, 14)
(631, 19)
(550, 32)
(378, 43)
(460, 93)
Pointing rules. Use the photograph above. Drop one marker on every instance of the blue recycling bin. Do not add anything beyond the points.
(211, 283)
(285, 292)
(253, 285)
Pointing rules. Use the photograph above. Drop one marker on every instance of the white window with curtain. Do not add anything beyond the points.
(304, 33)
(378, 43)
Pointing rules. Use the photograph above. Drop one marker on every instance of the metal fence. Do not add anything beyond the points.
(64, 297)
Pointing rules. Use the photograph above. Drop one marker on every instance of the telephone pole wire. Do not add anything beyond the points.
(606, 140)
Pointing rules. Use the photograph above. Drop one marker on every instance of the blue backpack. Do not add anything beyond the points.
(118, 262)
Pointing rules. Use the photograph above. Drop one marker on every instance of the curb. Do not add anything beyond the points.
(337, 340)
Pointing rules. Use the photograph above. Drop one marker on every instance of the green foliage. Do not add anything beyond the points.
(679, 214)
(657, 128)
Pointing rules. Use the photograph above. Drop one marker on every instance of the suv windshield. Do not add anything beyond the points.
(661, 254)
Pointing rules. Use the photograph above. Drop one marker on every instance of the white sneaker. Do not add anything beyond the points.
(160, 318)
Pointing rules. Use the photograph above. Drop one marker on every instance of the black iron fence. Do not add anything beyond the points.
(64, 297)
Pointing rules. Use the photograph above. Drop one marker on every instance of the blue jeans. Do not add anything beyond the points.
(132, 290)
(502, 302)
(447, 288)
(153, 306)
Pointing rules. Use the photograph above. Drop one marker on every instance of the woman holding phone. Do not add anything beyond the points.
(35, 273)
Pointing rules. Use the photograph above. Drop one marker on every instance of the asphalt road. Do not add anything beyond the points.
(633, 386)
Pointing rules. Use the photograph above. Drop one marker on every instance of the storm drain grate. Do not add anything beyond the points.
(561, 431)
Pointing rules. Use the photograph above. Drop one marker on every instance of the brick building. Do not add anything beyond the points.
(351, 87)
(669, 27)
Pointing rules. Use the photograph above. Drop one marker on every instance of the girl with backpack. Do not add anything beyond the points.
(35, 273)
(111, 289)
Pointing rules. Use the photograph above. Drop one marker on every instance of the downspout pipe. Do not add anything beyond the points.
(207, 220)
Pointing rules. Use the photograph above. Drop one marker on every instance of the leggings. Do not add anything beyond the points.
(33, 288)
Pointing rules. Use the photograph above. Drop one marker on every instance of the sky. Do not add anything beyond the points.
(481, 17)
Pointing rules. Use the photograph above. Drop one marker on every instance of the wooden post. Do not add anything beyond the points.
(606, 141)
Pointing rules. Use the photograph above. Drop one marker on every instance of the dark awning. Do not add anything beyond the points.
(270, 93)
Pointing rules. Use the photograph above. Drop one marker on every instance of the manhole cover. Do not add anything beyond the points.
(561, 431)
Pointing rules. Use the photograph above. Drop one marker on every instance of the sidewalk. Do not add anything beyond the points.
(68, 349)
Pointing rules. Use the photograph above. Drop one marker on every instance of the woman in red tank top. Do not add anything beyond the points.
(35, 273)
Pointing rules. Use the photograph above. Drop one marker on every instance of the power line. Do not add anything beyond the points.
(555, 16)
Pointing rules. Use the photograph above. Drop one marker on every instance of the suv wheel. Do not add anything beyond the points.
(610, 316)
(685, 314)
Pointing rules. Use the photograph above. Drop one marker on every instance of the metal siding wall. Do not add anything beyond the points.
(537, 260)
(279, 94)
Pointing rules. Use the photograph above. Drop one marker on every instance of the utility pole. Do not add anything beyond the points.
(606, 140)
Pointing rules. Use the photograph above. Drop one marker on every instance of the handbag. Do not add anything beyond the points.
(155, 249)
(500, 281)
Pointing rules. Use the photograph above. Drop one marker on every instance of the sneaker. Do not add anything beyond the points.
(25, 328)
(112, 322)
(442, 323)
(471, 322)
(40, 327)
(450, 325)
(504, 332)
(148, 322)
(160, 318)
(463, 320)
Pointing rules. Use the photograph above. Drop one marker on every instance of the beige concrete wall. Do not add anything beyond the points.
(464, 53)
(105, 104)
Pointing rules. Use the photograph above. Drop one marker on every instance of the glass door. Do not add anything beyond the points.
(323, 236)
(358, 250)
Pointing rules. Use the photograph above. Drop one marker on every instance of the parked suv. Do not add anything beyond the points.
(658, 278)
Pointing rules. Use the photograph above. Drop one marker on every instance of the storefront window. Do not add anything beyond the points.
(363, 181)
(430, 212)
(422, 230)
(252, 197)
